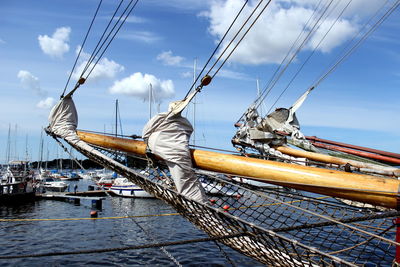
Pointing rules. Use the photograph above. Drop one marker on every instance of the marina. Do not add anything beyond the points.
(50, 226)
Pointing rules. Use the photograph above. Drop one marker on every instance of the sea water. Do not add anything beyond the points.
(73, 233)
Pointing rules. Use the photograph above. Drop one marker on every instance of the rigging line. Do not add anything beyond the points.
(240, 40)
(363, 242)
(237, 34)
(90, 251)
(162, 248)
(90, 218)
(366, 35)
(200, 86)
(216, 48)
(80, 50)
(328, 218)
(359, 33)
(93, 54)
(69, 153)
(127, 15)
(284, 59)
(313, 52)
(311, 32)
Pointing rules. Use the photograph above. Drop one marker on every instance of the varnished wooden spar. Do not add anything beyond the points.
(363, 188)
(390, 171)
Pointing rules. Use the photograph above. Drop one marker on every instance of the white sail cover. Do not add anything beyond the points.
(167, 136)
(63, 119)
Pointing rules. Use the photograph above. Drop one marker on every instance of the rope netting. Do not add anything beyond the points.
(274, 225)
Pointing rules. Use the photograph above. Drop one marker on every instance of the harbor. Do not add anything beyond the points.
(50, 225)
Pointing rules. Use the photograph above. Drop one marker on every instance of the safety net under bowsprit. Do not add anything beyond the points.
(272, 224)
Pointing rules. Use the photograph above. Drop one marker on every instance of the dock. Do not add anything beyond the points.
(96, 197)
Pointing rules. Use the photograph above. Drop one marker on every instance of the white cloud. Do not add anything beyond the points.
(142, 36)
(56, 45)
(276, 30)
(186, 74)
(31, 82)
(138, 85)
(105, 68)
(2, 41)
(46, 103)
(343, 31)
(134, 19)
(167, 58)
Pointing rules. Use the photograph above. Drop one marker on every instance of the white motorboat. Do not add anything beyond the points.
(54, 185)
(124, 188)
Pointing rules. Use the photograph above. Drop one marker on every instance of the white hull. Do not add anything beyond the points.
(129, 191)
(52, 188)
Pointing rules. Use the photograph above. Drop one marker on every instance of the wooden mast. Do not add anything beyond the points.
(357, 187)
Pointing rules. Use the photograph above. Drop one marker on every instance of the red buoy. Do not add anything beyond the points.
(225, 207)
(93, 213)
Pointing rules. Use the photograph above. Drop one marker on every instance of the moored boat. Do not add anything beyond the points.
(53, 184)
(17, 183)
(124, 188)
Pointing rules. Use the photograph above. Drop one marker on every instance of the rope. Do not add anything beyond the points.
(82, 219)
(80, 50)
(357, 44)
(240, 40)
(314, 50)
(361, 243)
(216, 48)
(154, 245)
(302, 44)
(162, 248)
(69, 153)
(107, 40)
(95, 51)
(112, 38)
(224, 253)
(284, 59)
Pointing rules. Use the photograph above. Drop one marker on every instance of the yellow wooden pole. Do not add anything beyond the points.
(363, 188)
(391, 171)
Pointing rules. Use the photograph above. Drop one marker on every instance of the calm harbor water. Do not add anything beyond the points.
(47, 236)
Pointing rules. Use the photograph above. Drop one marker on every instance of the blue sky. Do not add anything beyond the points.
(358, 103)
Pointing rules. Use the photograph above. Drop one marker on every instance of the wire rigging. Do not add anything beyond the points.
(216, 48)
(99, 50)
(302, 44)
(290, 51)
(346, 52)
(80, 50)
(359, 42)
(313, 51)
(126, 16)
(240, 40)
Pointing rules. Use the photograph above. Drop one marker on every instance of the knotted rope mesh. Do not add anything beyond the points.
(274, 225)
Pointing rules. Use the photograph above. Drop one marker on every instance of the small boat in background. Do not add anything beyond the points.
(105, 182)
(124, 188)
(53, 184)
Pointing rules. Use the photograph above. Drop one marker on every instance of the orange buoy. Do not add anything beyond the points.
(93, 213)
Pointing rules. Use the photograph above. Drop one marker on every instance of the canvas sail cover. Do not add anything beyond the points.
(63, 119)
(167, 136)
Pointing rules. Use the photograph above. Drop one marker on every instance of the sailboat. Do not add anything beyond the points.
(17, 181)
(307, 227)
